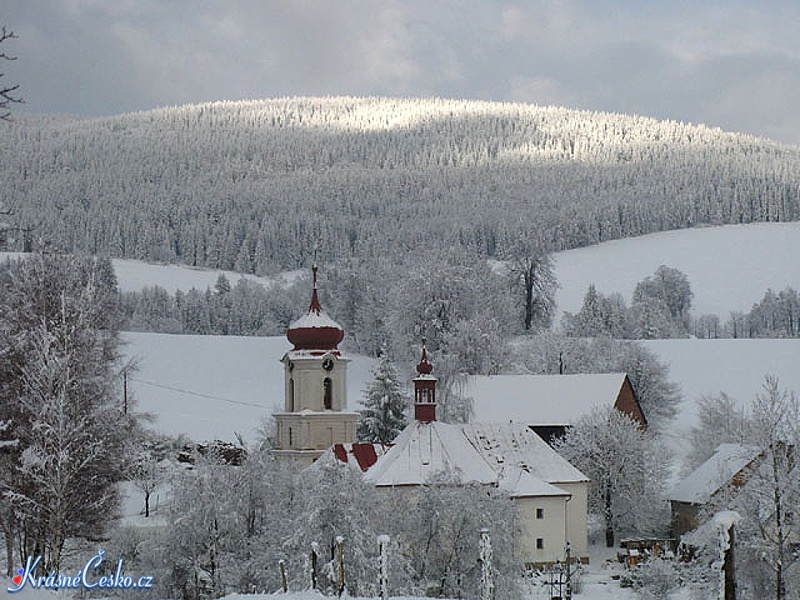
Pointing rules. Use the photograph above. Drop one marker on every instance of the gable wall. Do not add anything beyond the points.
(628, 404)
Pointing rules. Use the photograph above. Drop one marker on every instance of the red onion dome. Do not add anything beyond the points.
(316, 330)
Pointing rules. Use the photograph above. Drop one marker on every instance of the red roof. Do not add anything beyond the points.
(360, 454)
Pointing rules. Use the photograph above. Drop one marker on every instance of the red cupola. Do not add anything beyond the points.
(424, 390)
(315, 330)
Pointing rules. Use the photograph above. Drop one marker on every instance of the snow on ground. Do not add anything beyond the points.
(736, 367)
(133, 275)
(211, 387)
(728, 267)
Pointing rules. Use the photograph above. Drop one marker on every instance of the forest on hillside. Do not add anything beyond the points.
(253, 186)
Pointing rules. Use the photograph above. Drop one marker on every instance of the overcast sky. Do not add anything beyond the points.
(732, 64)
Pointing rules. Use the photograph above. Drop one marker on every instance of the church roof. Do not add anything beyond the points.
(315, 330)
(542, 399)
(521, 484)
(515, 445)
(424, 451)
(510, 456)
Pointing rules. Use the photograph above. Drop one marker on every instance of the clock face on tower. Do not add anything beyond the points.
(327, 364)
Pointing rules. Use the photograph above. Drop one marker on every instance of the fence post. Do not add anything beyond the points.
(340, 549)
(314, 557)
(383, 567)
(282, 567)
(485, 558)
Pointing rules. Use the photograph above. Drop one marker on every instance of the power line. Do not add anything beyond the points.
(191, 393)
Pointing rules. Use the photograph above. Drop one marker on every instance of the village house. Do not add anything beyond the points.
(549, 404)
(727, 470)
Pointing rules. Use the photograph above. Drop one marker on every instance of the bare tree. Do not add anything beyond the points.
(7, 92)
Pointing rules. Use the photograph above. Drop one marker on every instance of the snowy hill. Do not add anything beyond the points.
(728, 267)
(250, 185)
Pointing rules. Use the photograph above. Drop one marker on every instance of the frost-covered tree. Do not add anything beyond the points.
(333, 501)
(656, 578)
(663, 302)
(600, 315)
(531, 274)
(149, 468)
(442, 536)
(58, 363)
(386, 405)
(720, 419)
(768, 502)
(550, 352)
(8, 94)
(628, 467)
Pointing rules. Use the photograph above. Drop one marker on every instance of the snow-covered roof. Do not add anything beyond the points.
(510, 456)
(515, 445)
(521, 484)
(315, 319)
(424, 450)
(713, 474)
(542, 399)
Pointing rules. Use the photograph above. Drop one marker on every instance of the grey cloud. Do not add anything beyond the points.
(734, 66)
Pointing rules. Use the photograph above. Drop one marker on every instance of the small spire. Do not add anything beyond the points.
(424, 367)
(315, 306)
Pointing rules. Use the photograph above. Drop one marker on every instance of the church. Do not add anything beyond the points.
(315, 415)
(551, 495)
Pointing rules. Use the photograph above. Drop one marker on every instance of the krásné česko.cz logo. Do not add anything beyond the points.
(84, 578)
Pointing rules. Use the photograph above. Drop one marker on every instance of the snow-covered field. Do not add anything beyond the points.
(736, 367)
(133, 275)
(728, 267)
(212, 387)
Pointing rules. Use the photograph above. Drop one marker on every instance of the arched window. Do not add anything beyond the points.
(327, 389)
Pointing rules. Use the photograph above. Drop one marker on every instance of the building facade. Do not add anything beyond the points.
(315, 415)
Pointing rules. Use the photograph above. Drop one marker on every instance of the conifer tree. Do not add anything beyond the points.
(386, 405)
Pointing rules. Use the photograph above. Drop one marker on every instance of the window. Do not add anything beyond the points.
(540, 543)
(290, 437)
(327, 399)
(291, 395)
(540, 513)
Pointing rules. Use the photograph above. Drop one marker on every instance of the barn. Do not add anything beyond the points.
(549, 404)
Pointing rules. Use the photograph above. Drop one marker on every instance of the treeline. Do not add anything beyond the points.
(246, 308)
(660, 308)
(251, 186)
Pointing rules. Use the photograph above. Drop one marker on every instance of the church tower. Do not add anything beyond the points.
(315, 415)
